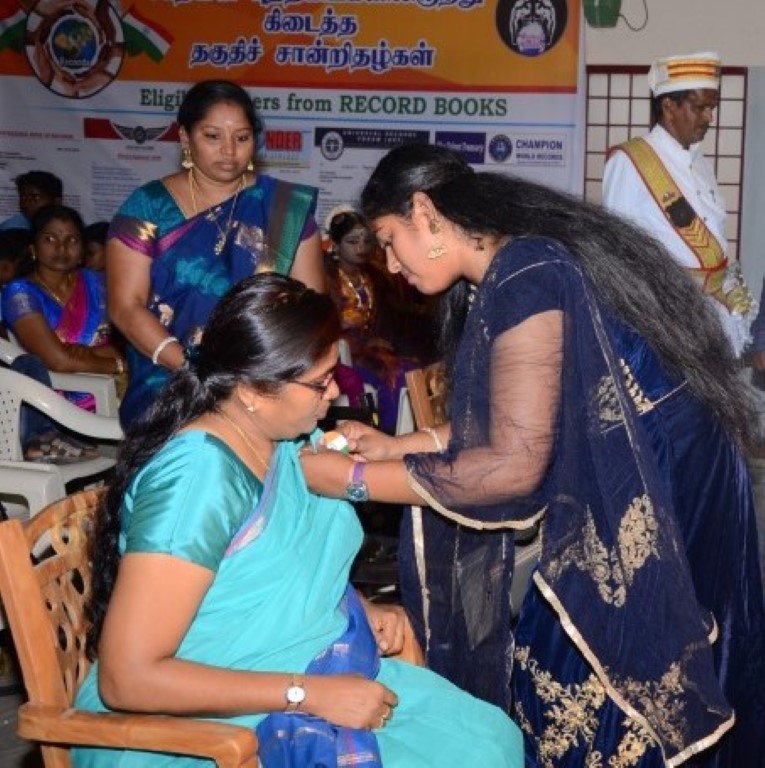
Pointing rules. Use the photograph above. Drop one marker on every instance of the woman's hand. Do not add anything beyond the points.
(388, 623)
(369, 443)
(349, 700)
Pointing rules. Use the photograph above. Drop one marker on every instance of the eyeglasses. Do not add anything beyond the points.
(69, 241)
(320, 387)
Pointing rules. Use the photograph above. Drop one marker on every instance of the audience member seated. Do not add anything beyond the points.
(36, 189)
(371, 310)
(57, 313)
(95, 245)
(14, 252)
(220, 583)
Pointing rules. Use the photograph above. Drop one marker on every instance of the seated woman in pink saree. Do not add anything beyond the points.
(58, 311)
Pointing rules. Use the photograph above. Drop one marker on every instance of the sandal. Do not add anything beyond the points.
(53, 448)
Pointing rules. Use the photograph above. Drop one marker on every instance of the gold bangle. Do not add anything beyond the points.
(158, 349)
(436, 438)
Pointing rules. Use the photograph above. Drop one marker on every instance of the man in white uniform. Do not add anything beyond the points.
(662, 182)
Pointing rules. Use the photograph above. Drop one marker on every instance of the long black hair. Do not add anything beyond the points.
(55, 212)
(344, 222)
(633, 274)
(267, 330)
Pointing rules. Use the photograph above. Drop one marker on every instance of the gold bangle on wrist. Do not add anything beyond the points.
(158, 349)
(436, 438)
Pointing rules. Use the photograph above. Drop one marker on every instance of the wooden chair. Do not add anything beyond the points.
(44, 601)
(427, 396)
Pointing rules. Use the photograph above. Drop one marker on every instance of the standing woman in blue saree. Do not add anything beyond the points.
(591, 387)
(179, 243)
(220, 583)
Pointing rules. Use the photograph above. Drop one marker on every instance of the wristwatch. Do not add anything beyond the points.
(295, 694)
(356, 490)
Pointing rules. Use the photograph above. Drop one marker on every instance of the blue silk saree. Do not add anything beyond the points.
(82, 320)
(267, 222)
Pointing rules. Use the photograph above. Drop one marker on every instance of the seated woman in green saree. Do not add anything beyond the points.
(221, 583)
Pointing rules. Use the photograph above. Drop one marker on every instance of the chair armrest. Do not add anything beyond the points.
(100, 385)
(62, 411)
(231, 746)
(8, 351)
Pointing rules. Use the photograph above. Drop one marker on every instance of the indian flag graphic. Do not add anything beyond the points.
(144, 36)
(13, 22)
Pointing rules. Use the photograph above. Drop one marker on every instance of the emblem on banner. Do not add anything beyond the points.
(500, 148)
(332, 145)
(76, 47)
(531, 27)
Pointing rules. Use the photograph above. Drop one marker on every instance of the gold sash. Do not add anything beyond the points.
(711, 272)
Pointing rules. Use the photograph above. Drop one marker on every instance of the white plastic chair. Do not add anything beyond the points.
(99, 385)
(39, 483)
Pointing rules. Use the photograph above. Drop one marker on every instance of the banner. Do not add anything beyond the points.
(90, 88)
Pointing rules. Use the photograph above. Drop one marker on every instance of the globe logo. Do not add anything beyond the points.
(73, 44)
(75, 47)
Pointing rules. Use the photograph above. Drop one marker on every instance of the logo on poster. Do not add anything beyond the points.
(74, 48)
(531, 27)
(471, 146)
(500, 148)
(332, 145)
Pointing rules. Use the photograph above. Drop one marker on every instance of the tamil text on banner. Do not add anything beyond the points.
(90, 88)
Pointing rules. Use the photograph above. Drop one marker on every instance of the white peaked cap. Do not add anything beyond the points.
(684, 73)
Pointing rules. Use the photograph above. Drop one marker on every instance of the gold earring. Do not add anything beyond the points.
(438, 249)
(186, 160)
(250, 166)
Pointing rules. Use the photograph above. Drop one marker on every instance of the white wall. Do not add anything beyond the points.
(753, 209)
(733, 28)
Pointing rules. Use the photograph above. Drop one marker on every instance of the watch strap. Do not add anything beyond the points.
(296, 681)
(356, 475)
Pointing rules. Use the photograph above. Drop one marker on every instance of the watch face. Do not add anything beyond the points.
(295, 694)
(357, 492)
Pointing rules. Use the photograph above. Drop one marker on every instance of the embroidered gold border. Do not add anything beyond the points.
(469, 522)
(570, 629)
(418, 536)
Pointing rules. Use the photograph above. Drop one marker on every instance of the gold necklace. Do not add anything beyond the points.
(223, 234)
(46, 285)
(365, 286)
(244, 437)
